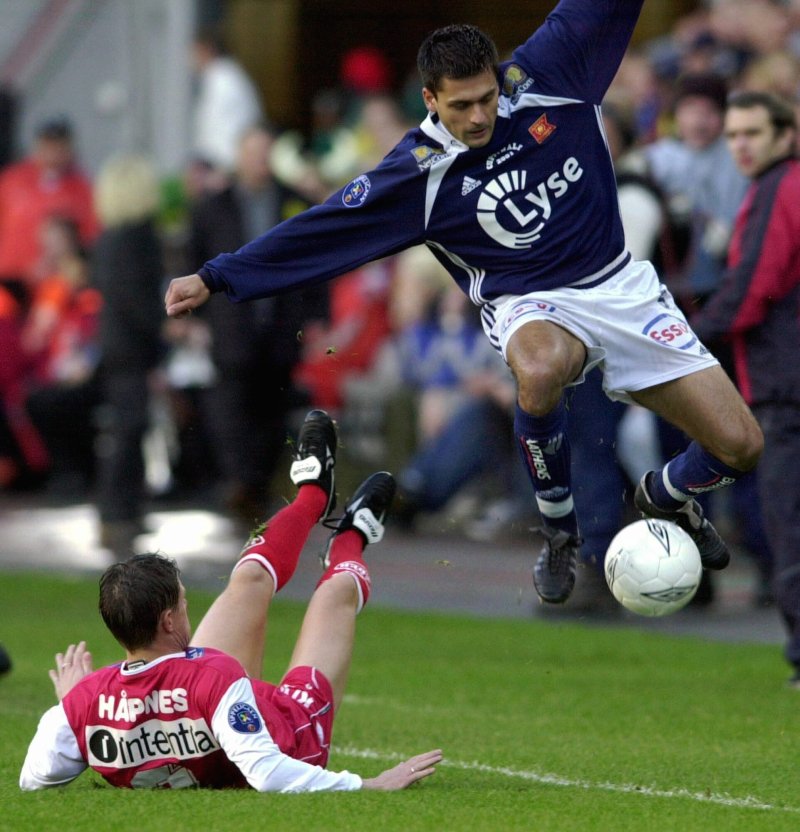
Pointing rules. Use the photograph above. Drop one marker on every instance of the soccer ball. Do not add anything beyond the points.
(653, 567)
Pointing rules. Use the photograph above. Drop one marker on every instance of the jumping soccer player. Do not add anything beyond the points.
(509, 182)
(174, 715)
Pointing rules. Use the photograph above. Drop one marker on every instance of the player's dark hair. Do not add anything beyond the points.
(457, 51)
(781, 113)
(134, 593)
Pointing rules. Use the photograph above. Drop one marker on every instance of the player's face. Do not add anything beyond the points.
(467, 107)
(752, 140)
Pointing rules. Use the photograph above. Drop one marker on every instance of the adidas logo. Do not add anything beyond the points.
(468, 185)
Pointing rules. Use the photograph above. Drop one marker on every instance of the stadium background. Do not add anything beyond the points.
(119, 68)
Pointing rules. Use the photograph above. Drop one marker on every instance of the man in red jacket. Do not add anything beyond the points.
(757, 307)
(47, 183)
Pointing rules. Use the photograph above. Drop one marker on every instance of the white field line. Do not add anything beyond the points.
(558, 780)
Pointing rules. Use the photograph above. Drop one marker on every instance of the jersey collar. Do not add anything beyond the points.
(434, 129)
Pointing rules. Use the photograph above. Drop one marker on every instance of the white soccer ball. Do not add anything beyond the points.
(653, 567)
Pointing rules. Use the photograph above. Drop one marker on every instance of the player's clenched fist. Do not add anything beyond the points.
(185, 294)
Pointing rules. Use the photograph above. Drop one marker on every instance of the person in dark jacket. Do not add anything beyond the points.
(757, 308)
(254, 346)
(127, 269)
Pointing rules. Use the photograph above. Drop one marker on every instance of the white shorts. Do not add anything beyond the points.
(630, 325)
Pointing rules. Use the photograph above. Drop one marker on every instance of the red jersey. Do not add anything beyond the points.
(182, 720)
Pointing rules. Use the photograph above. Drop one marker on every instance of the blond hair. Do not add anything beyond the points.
(126, 191)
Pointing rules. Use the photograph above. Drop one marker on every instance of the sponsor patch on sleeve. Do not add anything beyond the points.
(355, 193)
(426, 156)
(516, 81)
(244, 718)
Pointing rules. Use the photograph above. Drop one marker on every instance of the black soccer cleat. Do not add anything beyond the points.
(365, 511)
(713, 551)
(315, 456)
(555, 569)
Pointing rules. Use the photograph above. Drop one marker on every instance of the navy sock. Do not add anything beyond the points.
(544, 446)
(688, 475)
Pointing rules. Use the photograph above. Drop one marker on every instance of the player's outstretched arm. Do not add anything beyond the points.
(406, 773)
(185, 294)
(71, 667)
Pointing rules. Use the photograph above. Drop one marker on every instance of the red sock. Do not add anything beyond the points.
(346, 555)
(277, 546)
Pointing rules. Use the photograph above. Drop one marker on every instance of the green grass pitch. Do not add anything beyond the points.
(545, 726)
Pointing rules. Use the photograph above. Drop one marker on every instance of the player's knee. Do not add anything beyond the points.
(751, 448)
(253, 574)
(740, 445)
(539, 388)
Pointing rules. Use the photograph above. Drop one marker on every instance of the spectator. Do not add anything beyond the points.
(463, 398)
(45, 184)
(24, 460)
(61, 268)
(334, 352)
(65, 391)
(227, 102)
(704, 188)
(127, 269)
(756, 307)
(254, 346)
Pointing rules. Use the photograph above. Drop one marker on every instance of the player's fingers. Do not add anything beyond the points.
(428, 758)
(423, 765)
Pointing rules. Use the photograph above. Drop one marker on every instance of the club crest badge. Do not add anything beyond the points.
(244, 719)
(355, 194)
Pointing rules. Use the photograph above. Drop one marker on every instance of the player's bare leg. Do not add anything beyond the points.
(727, 443)
(237, 620)
(709, 409)
(544, 358)
(326, 636)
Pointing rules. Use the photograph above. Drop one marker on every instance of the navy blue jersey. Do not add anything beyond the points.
(534, 209)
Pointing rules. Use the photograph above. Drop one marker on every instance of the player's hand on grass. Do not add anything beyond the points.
(71, 667)
(406, 773)
(185, 294)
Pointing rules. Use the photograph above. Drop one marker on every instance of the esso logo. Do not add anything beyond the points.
(670, 330)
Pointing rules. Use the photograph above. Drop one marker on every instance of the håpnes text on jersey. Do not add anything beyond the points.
(126, 708)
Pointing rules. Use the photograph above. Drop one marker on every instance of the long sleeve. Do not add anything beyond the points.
(264, 765)
(578, 49)
(378, 214)
(53, 757)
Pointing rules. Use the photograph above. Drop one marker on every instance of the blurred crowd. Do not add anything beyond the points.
(103, 399)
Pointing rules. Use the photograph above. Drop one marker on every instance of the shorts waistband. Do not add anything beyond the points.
(614, 267)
